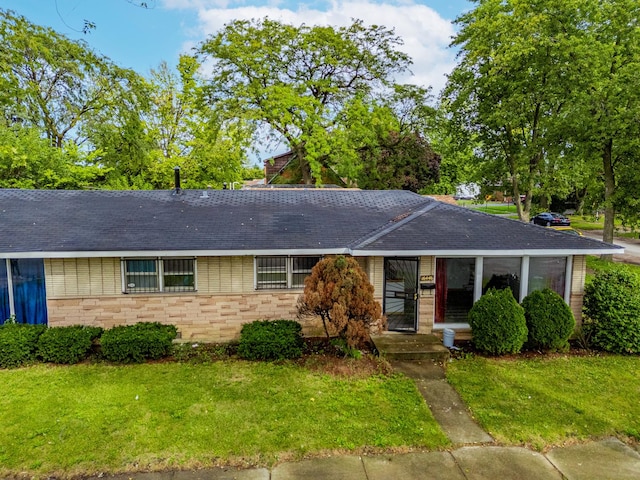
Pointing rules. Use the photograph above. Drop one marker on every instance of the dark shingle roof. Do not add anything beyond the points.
(227, 221)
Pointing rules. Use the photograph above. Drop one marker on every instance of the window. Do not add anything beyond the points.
(455, 290)
(547, 272)
(283, 272)
(148, 275)
(502, 272)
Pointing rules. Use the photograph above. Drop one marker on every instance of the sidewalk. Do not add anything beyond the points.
(476, 457)
(607, 459)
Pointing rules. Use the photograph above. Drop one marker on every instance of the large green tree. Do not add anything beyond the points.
(27, 160)
(544, 94)
(510, 83)
(51, 82)
(604, 112)
(302, 83)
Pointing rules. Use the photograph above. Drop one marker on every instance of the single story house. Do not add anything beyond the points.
(209, 261)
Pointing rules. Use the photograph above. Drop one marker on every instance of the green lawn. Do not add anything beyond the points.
(596, 264)
(98, 418)
(548, 401)
(495, 209)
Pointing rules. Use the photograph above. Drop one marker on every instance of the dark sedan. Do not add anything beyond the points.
(547, 219)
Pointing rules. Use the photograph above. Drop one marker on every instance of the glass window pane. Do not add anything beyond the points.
(141, 275)
(455, 279)
(500, 273)
(179, 274)
(140, 266)
(547, 272)
(29, 296)
(178, 265)
(302, 267)
(5, 309)
(304, 264)
(271, 272)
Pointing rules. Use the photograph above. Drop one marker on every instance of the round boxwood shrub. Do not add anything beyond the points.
(67, 344)
(271, 340)
(612, 308)
(550, 321)
(137, 343)
(18, 343)
(497, 323)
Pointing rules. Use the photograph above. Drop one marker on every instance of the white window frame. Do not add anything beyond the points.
(159, 274)
(289, 260)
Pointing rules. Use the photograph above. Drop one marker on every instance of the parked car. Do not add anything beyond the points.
(548, 219)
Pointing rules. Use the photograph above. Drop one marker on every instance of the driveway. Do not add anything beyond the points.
(631, 247)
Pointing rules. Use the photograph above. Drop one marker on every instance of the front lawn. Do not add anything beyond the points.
(86, 419)
(596, 265)
(550, 400)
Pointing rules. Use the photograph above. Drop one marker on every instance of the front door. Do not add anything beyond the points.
(401, 293)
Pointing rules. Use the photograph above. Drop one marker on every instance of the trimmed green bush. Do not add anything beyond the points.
(18, 343)
(137, 343)
(612, 305)
(550, 321)
(497, 323)
(66, 344)
(271, 340)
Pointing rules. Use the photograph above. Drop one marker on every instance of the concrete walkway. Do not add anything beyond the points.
(476, 457)
(608, 459)
(446, 405)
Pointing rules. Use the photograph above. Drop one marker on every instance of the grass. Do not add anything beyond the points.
(586, 223)
(551, 400)
(495, 209)
(597, 265)
(86, 419)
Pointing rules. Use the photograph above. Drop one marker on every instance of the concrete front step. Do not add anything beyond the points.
(407, 347)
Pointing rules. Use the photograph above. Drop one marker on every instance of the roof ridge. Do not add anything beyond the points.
(396, 223)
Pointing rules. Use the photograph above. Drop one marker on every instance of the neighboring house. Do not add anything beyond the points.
(284, 169)
(209, 261)
(274, 165)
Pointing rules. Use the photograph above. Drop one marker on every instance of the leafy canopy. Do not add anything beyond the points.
(303, 84)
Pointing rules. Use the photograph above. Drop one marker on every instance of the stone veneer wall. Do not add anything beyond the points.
(198, 317)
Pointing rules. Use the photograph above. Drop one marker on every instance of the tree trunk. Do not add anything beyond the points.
(609, 189)
(305, 169)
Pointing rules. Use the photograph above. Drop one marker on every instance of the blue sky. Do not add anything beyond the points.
(140, 38)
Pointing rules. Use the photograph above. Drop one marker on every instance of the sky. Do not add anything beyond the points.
(141, 38)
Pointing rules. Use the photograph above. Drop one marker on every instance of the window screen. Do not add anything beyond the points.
(271, 272)
(301, 268)
(148, 275)
(283, 272)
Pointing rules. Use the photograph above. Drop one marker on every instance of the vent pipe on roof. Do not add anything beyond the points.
(176, 176)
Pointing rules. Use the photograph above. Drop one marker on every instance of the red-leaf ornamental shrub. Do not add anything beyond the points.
(339, 292)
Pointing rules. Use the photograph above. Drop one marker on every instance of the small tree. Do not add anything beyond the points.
(339, 292)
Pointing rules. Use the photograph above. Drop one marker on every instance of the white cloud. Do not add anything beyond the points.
(425, 33)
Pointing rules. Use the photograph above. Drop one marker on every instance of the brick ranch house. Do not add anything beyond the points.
(209, 261)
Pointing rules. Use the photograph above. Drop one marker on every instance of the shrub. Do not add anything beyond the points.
(66, 344)
(137, 343)
(271, 340)
(550, 321)
(339, 292)
(18, 343)
(497, 323)
(612, 305)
